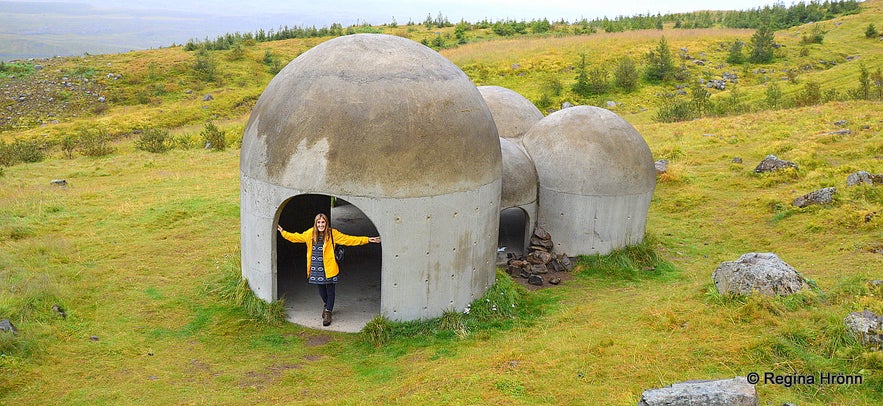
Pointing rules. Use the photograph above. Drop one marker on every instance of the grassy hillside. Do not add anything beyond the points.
(137, 246)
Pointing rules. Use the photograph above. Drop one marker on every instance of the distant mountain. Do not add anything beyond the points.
(46, 29)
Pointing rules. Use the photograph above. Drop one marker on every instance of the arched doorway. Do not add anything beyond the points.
(513, 235)
(358, 292)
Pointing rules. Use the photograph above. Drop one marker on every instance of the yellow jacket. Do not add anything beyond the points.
(331, 269)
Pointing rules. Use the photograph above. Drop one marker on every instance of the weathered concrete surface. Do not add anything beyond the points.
(519, 177)
(596, 179)
(386, 114)
(398, 131)
(513, 113)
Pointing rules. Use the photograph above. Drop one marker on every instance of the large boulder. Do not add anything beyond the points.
(724, 392)
(763, 273)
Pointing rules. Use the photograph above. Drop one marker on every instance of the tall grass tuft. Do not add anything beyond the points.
(234, 289)
(631, 263)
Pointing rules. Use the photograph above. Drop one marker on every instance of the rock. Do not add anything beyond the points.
(539, 269)
(841, 123)
(566, 105)
(538, 242)
(763, 273)
(737, 160)
(864, 177)
(565, 261)
(610, 104)
(771, 163)
(58, 182)
(6, 325)
(59, 311)
(208, 97)
(555, 280)
(661, 166)
(724, 392)
(94, 338)
(867, 326)
(821, 196)
(539, 257)
(542, 234)
(840, 132)
(535, 280)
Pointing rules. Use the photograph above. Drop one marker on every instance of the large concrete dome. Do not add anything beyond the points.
(513, 113)
(596, 179)
(371, 115)
(394, 129)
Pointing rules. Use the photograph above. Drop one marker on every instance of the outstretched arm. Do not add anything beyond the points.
(344, 239)
(293, 237)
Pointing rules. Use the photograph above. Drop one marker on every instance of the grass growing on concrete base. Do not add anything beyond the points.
(234, 289)
(505, 305)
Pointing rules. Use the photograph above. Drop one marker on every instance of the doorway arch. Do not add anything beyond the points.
(514, 233)
(358, 291)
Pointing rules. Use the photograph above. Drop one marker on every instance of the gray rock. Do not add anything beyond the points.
(821, 196)
(611, 104)
(763, 273)
(724, 392)
(535, 280)
(661, 166)
(208, 97)
(6, 325)
(58, 182)
(867, 326)
(771, 163)
(737, 160)
(861, 177)
(566, 105)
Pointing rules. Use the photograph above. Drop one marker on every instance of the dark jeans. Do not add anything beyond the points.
(327, 293)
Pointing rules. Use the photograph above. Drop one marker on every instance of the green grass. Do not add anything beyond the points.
(141, 250)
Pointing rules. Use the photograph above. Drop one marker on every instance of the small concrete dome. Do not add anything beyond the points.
(596, 179)
(512, 112)
(371, 115)
(519, 176)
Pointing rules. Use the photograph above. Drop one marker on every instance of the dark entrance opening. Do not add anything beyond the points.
(513, 233)
(358, 291)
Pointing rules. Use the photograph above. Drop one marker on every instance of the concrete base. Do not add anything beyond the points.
(357, 298)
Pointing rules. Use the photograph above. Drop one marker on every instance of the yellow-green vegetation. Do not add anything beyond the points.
(140, 249)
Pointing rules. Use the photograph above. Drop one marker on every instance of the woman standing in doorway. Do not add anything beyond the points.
(322, 269)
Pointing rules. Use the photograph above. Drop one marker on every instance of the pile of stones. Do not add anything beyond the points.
(541, 262)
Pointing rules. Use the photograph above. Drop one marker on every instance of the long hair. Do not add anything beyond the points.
(316, 229)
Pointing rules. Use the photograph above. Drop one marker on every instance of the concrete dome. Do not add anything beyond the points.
(590, 151)
(596, 179)
(401, 134)
(519, 176)
(371, 115)
(512, 112)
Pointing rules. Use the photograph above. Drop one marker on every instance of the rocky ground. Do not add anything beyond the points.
(52, 94)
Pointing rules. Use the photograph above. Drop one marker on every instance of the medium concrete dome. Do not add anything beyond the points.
(371, 115)
(513, 113)
(596, 179)
(519, 176)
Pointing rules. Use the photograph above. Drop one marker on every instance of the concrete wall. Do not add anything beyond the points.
(439, 251)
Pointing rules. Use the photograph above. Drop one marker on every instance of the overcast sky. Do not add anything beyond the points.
(347, 12)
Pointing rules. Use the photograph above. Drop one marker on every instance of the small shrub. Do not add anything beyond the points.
(94, 142)
(19, 151)
(674, 109)
(214, 138)
(626, 76)
(156, 140)
(735, 55)
(871, 31)
(811, 95)
(816, 35)
(68, 145)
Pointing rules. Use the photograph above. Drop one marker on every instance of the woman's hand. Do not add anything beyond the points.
(374, 239)
(278, 227)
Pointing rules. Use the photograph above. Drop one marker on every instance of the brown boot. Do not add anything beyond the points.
(326, 318)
